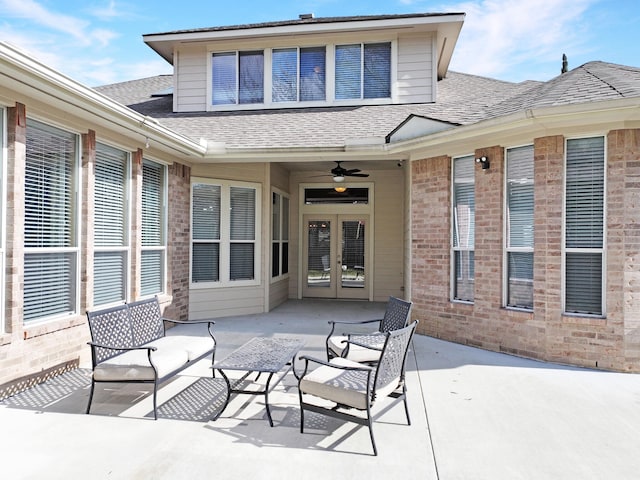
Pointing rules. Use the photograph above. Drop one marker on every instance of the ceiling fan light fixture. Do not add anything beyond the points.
(340, 189)
(338, 178)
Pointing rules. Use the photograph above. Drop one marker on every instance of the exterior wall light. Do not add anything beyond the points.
(484, 161)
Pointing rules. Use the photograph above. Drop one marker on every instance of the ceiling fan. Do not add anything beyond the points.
(339, 172)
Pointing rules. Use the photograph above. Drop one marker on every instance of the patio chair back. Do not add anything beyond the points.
(111, 326)
(391, 366)
(396, 315)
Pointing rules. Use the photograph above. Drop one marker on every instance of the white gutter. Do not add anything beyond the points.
(32, 77)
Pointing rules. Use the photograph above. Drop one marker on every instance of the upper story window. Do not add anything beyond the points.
(237, 78)
(322, 75)
(298, 74)
(363, 71)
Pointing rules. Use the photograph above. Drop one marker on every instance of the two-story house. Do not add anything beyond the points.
(329, 158)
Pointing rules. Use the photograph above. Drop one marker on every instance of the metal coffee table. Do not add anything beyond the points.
(261, 355)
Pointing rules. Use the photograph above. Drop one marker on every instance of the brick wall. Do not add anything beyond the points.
(612, 342)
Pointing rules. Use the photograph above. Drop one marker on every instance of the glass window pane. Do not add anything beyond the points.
(464, 275)
(464, 203)
(584, 283)
(312, 74)
(49, 285)
(223, 72)
(285, 75)
(243, 213)
(377, 70)
(152, 272)
(153, 220)
(241, 261)
(205, 215)
(585, 193)
(49, 187)
(205, 262)
(251, 77)
(275, 216)
(348, 71)
(520, 283)
(109, 277)
(110, 196)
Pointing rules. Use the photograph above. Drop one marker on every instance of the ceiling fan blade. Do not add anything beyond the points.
(352, 170)
(356, 174)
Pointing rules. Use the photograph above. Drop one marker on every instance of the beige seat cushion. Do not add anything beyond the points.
(192, 345)
(345, 387)
(356, 352)
(134, 365)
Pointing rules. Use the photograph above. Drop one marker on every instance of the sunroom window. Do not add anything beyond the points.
(111, 257)
(584, 226)
(298, 74)
(520, 227)
(50, 222)
(237, 78)
(363, 71)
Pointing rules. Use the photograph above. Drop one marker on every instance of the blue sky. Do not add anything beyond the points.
(100, 42)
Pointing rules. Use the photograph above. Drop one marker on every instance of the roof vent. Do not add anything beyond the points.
(305, 16)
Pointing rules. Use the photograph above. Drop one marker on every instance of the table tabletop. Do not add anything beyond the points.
(262, 354)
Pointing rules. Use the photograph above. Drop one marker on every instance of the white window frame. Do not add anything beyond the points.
(162, 248)
(330, 78)
(362, 46)
(73, 250)
(602, 251)
(224, 280)
(454, 249)
(507, 234)
(237, 54)
(125, 248)
(281, 240)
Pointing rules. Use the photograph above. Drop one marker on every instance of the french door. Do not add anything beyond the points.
(336, 256)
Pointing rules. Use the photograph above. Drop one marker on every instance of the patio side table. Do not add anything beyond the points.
(262, 355)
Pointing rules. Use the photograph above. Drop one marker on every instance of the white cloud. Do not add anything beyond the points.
(500, 35)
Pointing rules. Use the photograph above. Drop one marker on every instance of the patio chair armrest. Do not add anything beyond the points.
(319, 361)
(189, 322)
(113, 347)
(370, 341)
(358, 322)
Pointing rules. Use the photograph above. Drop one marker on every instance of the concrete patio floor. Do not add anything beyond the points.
(475, 415)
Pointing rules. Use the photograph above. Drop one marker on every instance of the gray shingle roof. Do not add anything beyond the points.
(462, 99)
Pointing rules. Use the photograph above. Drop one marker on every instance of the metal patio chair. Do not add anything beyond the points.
(347, 385)
(396, 316)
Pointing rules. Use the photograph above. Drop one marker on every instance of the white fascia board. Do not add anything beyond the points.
(554, 120)
(164, 44)
(27, 75)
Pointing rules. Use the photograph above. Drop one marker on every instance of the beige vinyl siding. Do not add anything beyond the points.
(235, 300)
(388, 256)
(415, 69)
(278, 293)
(191, 84)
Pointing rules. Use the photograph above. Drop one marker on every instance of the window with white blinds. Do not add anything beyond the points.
(154, 226)
(279, 235)
(50, 237)
(111, 220)
(237, 77)
(298, 74)
(363, 71)
(224, 225)
(520, 223)
(584, 226)
(463, 235)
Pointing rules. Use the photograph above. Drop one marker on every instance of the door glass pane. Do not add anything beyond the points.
(318, 262)
(353, 274)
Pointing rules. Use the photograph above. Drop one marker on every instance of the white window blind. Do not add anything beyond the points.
(463, 227)
(520, 224)
(363, 71)
(50, 238)
(154, 221)
(584, 226)
(111, 258)
(205, 221)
